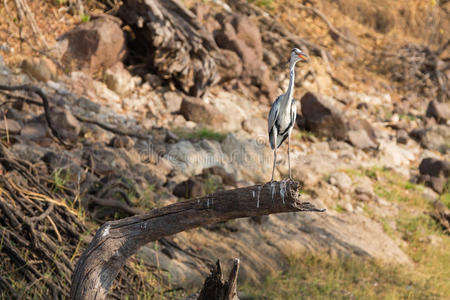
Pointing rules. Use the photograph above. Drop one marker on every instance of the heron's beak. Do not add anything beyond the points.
(304, 57)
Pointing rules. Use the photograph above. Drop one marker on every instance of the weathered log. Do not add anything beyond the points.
(172, 43)
(116, 241)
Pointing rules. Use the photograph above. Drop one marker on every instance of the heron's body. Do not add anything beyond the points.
(283, 112)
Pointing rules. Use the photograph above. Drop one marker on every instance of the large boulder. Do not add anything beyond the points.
(196, 110)
(94, 45)
(435, 172)
(322, 118)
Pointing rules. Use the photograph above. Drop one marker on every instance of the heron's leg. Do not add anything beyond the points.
(289, 158)
(274, 152)
(274, 162)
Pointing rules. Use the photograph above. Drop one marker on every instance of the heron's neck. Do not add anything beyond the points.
(290, 90)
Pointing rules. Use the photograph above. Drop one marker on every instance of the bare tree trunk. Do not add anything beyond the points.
(116, 241)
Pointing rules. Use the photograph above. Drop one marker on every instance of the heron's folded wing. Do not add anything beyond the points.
(273, 113)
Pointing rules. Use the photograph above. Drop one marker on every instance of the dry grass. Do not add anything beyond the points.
(52, 17)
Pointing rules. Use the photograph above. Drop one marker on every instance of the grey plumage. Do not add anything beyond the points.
(283, 112)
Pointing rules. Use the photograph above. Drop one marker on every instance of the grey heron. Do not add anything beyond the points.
(283, 112)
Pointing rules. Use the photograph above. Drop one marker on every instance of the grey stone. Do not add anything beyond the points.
(439, 110)
(10, 126)
(341, 180)
(172, 101)
(402, 136)
(321, 117)
(67, 125)
(118, 79)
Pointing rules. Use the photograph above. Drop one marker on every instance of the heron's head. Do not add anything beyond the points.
(298, 55)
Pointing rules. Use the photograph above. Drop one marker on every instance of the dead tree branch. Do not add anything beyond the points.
(116, 241)
(216, 288)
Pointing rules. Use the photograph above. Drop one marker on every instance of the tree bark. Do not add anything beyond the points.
(218, 289)
(116, 241)
(173, 43)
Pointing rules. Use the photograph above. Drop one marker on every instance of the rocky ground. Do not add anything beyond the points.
(146, 117)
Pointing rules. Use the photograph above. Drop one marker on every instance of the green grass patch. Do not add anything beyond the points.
(199, 134)
(339, 209)
(268, 4)
(395, 188)
(212, 184)
(323, 277)
(302, 134)
(445, 198)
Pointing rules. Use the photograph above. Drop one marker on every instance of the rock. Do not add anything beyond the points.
(118, 79)
(227, 178)
(242, 157)
(361, 134)
(434, 137)
(435, 172)
(364, 186)
(62, 160)
(360, 139)
(37, 132)
(194, 109)
(42, 69)
(191, 158)
(181, 268)
(28, 152)
(251, 159)
(88, 105)
(402, 136)
(341, 180)
(103, 161)
(256, 126)
(321, 117)
(229, 66)
(172, 101)
(434, 167)
(188, 189)
(391, 155)
(9, 126)
(348, 207)
(151, 173)
(204, 15)
(439, 110)
(67, 125)
(122, 141)
(93, 46)
(241, 35)
(234, 113)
